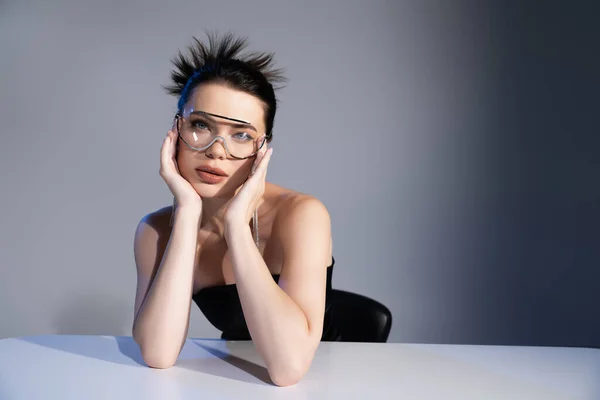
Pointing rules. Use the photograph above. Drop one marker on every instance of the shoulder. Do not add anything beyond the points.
(302, 208)
(157, 220)
(302, 233)
(302, 218)
(154, 224)
(293, 208)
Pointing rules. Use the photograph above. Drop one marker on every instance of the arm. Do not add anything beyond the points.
(164, 287)
(285, 321)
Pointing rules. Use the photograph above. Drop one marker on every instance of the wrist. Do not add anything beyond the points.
(188, 211)
(235, 229)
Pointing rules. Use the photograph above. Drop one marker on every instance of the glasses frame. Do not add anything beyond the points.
(179, 116)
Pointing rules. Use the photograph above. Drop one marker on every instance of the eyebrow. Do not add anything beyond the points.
(241, 123)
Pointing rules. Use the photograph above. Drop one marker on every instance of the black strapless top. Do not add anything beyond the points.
(222, 307)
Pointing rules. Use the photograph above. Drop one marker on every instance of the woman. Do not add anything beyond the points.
(255, 257)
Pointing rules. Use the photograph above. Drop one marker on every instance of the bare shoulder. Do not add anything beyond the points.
(158, 220)
(299, 206)
(301, 218)
(292, 205)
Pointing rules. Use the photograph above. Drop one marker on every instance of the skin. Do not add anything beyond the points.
(211, 243)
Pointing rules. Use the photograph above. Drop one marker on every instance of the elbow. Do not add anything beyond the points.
(293, 365)
(288, 373)
(157, 360)
(286, 377)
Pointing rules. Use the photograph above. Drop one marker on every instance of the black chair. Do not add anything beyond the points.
(360, 318)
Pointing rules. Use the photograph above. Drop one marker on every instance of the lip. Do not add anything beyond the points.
(210, 175)
(212, 170)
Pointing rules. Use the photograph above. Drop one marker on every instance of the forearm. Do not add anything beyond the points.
(277, 325)
(161, 325)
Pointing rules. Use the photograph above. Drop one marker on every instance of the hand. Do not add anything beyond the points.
(246, 199)
(185, 194)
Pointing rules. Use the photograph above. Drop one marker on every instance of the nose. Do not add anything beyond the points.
(217, 150)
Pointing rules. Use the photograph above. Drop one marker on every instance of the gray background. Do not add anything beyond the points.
(455, 144)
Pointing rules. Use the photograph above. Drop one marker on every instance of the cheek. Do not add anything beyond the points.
(185, 165)
(239, 171)
(245, 168)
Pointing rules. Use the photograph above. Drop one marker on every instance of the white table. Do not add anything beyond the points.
(108, 367)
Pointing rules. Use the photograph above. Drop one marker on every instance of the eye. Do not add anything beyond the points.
(199, 125)
(243, 137)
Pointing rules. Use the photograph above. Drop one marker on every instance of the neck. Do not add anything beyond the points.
(213, 212)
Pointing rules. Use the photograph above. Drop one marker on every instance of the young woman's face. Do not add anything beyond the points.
(227, 102)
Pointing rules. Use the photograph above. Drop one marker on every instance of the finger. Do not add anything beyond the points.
(172, 142)
(167, 152)
(264, 162)
(257, 160)
(165, 147)
(264, 148)
(164, 156)
(261, 152)
(174, 138)
(255, 164)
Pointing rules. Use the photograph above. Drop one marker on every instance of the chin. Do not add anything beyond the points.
(207, 191)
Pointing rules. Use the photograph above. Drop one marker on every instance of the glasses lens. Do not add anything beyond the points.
(199, 133)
